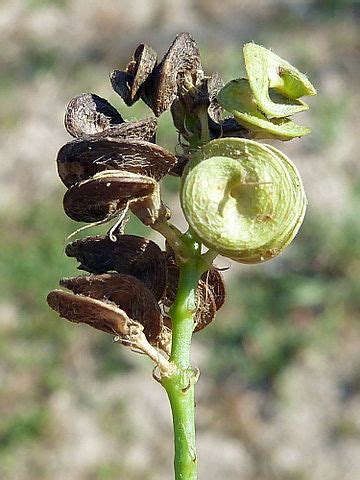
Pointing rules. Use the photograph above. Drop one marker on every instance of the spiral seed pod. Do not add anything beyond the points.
(88, 113)
(105, 195)
(181, 60)
(125, 291)
(128, 84)
(266, 70)
(104, 316)
(143, 63)
(243, 199)
(138, 130)
(129, 254)
(81, 159)
(238, 99)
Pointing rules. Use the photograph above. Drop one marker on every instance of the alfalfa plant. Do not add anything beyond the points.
(242, 199)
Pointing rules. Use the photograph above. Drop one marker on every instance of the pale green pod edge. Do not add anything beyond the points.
(237, 98)
(243, 199)
(267, 70)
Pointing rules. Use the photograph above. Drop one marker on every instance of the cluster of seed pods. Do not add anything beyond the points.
(113, 167)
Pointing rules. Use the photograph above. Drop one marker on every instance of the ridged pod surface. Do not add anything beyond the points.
(243, 199)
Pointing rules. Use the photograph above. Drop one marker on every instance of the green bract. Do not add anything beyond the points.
(243, 199)
(266, 70)
(238, 99)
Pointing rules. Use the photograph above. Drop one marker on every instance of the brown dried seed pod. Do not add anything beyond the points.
(215, 281)
(88, 113)
(128, 83)
(143, 63)
(101, 315)
(214, 85)
(181, 60)
(150, 210)
(127, 292)
(139, 130)
(83, 158)
(129, 254)
(205, 306)
(173, 273)
(120, 82)
(105, 195)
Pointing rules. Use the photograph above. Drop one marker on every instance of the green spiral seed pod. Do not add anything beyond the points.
(243, 199)
(267, 70)
(238, 99)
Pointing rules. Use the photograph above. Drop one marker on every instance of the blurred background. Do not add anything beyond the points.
(279, 394)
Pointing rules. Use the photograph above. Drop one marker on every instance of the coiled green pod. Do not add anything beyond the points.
(243, 199)
(263, 102)
(238, 99)
(267, 70)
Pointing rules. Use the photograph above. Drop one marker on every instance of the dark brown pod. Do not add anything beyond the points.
(210, 294)
(88, 113)
(83, 158)
(215, 282)
(127, 292)
(138, 130)
(143, 63)
(128, 83)
(173, 273)
(120, 82)
(105, 195)
(129, 254)
(214, 85)
(205, 306)
(98, 314)
(181, 60)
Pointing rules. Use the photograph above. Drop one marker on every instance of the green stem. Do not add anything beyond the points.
(180, 385)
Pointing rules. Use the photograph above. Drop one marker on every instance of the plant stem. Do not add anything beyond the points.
(180, 385)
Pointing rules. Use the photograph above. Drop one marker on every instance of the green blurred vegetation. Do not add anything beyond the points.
(274, 310)
(307, 298)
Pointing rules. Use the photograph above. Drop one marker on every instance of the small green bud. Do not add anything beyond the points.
(238, 99)
(243, 199)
